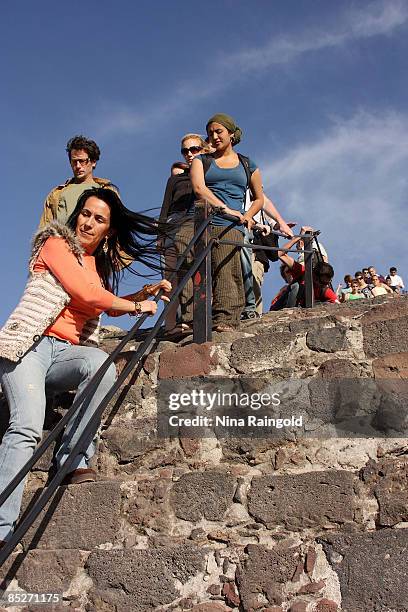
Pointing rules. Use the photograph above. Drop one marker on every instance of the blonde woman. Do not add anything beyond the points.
(178, 206)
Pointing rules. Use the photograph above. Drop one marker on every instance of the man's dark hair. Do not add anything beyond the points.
(181, 165)
(283, 268)
(323, 268)
(80, 142)
(393, 269)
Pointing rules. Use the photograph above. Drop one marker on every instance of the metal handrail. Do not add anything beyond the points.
(87, 393)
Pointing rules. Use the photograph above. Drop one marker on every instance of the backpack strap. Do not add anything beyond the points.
(206, 160)
(245, 162)
(207, 157)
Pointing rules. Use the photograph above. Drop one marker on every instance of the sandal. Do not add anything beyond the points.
(223, 327)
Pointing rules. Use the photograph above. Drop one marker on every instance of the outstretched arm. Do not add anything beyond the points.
(271, 210)
(62, 263)
(257, 202)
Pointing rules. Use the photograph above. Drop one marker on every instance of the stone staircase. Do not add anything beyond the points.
(299, 523)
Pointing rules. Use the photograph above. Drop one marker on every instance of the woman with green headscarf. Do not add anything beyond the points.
(222, 179)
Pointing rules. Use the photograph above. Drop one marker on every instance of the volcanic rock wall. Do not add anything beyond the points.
(304, 521)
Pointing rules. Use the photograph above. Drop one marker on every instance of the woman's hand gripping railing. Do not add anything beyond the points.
(47, 493)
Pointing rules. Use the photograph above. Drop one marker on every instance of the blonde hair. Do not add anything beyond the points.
(203, 143)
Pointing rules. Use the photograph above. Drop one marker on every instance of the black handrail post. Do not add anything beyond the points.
(309, 293)
(202, 281)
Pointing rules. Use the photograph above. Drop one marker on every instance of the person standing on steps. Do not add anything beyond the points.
(222, 178)
(83, 155)
(49, 342)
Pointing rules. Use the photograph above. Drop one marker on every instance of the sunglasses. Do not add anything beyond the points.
(193, 150)
(81, 162)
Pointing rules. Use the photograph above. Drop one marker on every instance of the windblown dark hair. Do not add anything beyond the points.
(323, 267)
(80, 142)
(133, 238)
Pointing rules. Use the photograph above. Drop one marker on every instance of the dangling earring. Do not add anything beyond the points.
(232, 139)
(105, 247)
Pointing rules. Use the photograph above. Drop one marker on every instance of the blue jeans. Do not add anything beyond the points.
(51, 365)
(247, 274)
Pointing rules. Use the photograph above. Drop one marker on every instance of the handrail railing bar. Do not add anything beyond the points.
(260, 246)
(47, 493)
(98, 376)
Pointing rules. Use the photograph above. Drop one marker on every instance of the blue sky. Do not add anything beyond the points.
(319, 89)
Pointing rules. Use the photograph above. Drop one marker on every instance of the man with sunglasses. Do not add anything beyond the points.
(83, 156)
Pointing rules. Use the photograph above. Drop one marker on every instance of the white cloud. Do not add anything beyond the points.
(378, 18)
(352, 184)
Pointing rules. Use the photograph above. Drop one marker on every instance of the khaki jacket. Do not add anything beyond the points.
(50, 211)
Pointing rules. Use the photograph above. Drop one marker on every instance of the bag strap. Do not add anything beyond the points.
(245, 162)
(206, 161)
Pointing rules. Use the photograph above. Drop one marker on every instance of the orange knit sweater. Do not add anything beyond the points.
(81, 282)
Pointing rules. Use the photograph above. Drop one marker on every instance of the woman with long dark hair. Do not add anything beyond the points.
(74, 275)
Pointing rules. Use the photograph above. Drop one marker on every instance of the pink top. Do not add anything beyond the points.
(81, 282)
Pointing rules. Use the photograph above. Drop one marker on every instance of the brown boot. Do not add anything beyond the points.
(79, 476)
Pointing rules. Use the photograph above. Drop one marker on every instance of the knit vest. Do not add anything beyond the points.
(42, 301)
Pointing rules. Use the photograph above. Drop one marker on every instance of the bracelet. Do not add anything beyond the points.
(138, 310)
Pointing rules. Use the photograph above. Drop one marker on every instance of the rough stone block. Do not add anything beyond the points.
(388, 480)
(385, 336)
(326, 340)
(47, 570)
(187, 361)
(290, 500)
(372, 569)
(393, 366)
(305, 325)
(342, 399)
(124, 401)
(132, 439)
(78, 516)
(392, 309)
(311, 557)
(264, 351)
(338, 368)
(326, 605)
(231, 596)
(203, 494)
(210, 606)
(264, 573)
(312, 587)
(148, 506)
(298, 606)
(141, 580)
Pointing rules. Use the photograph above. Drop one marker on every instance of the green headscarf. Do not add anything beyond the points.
(229, 123)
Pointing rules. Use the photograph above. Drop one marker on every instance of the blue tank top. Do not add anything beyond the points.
(229, 185)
